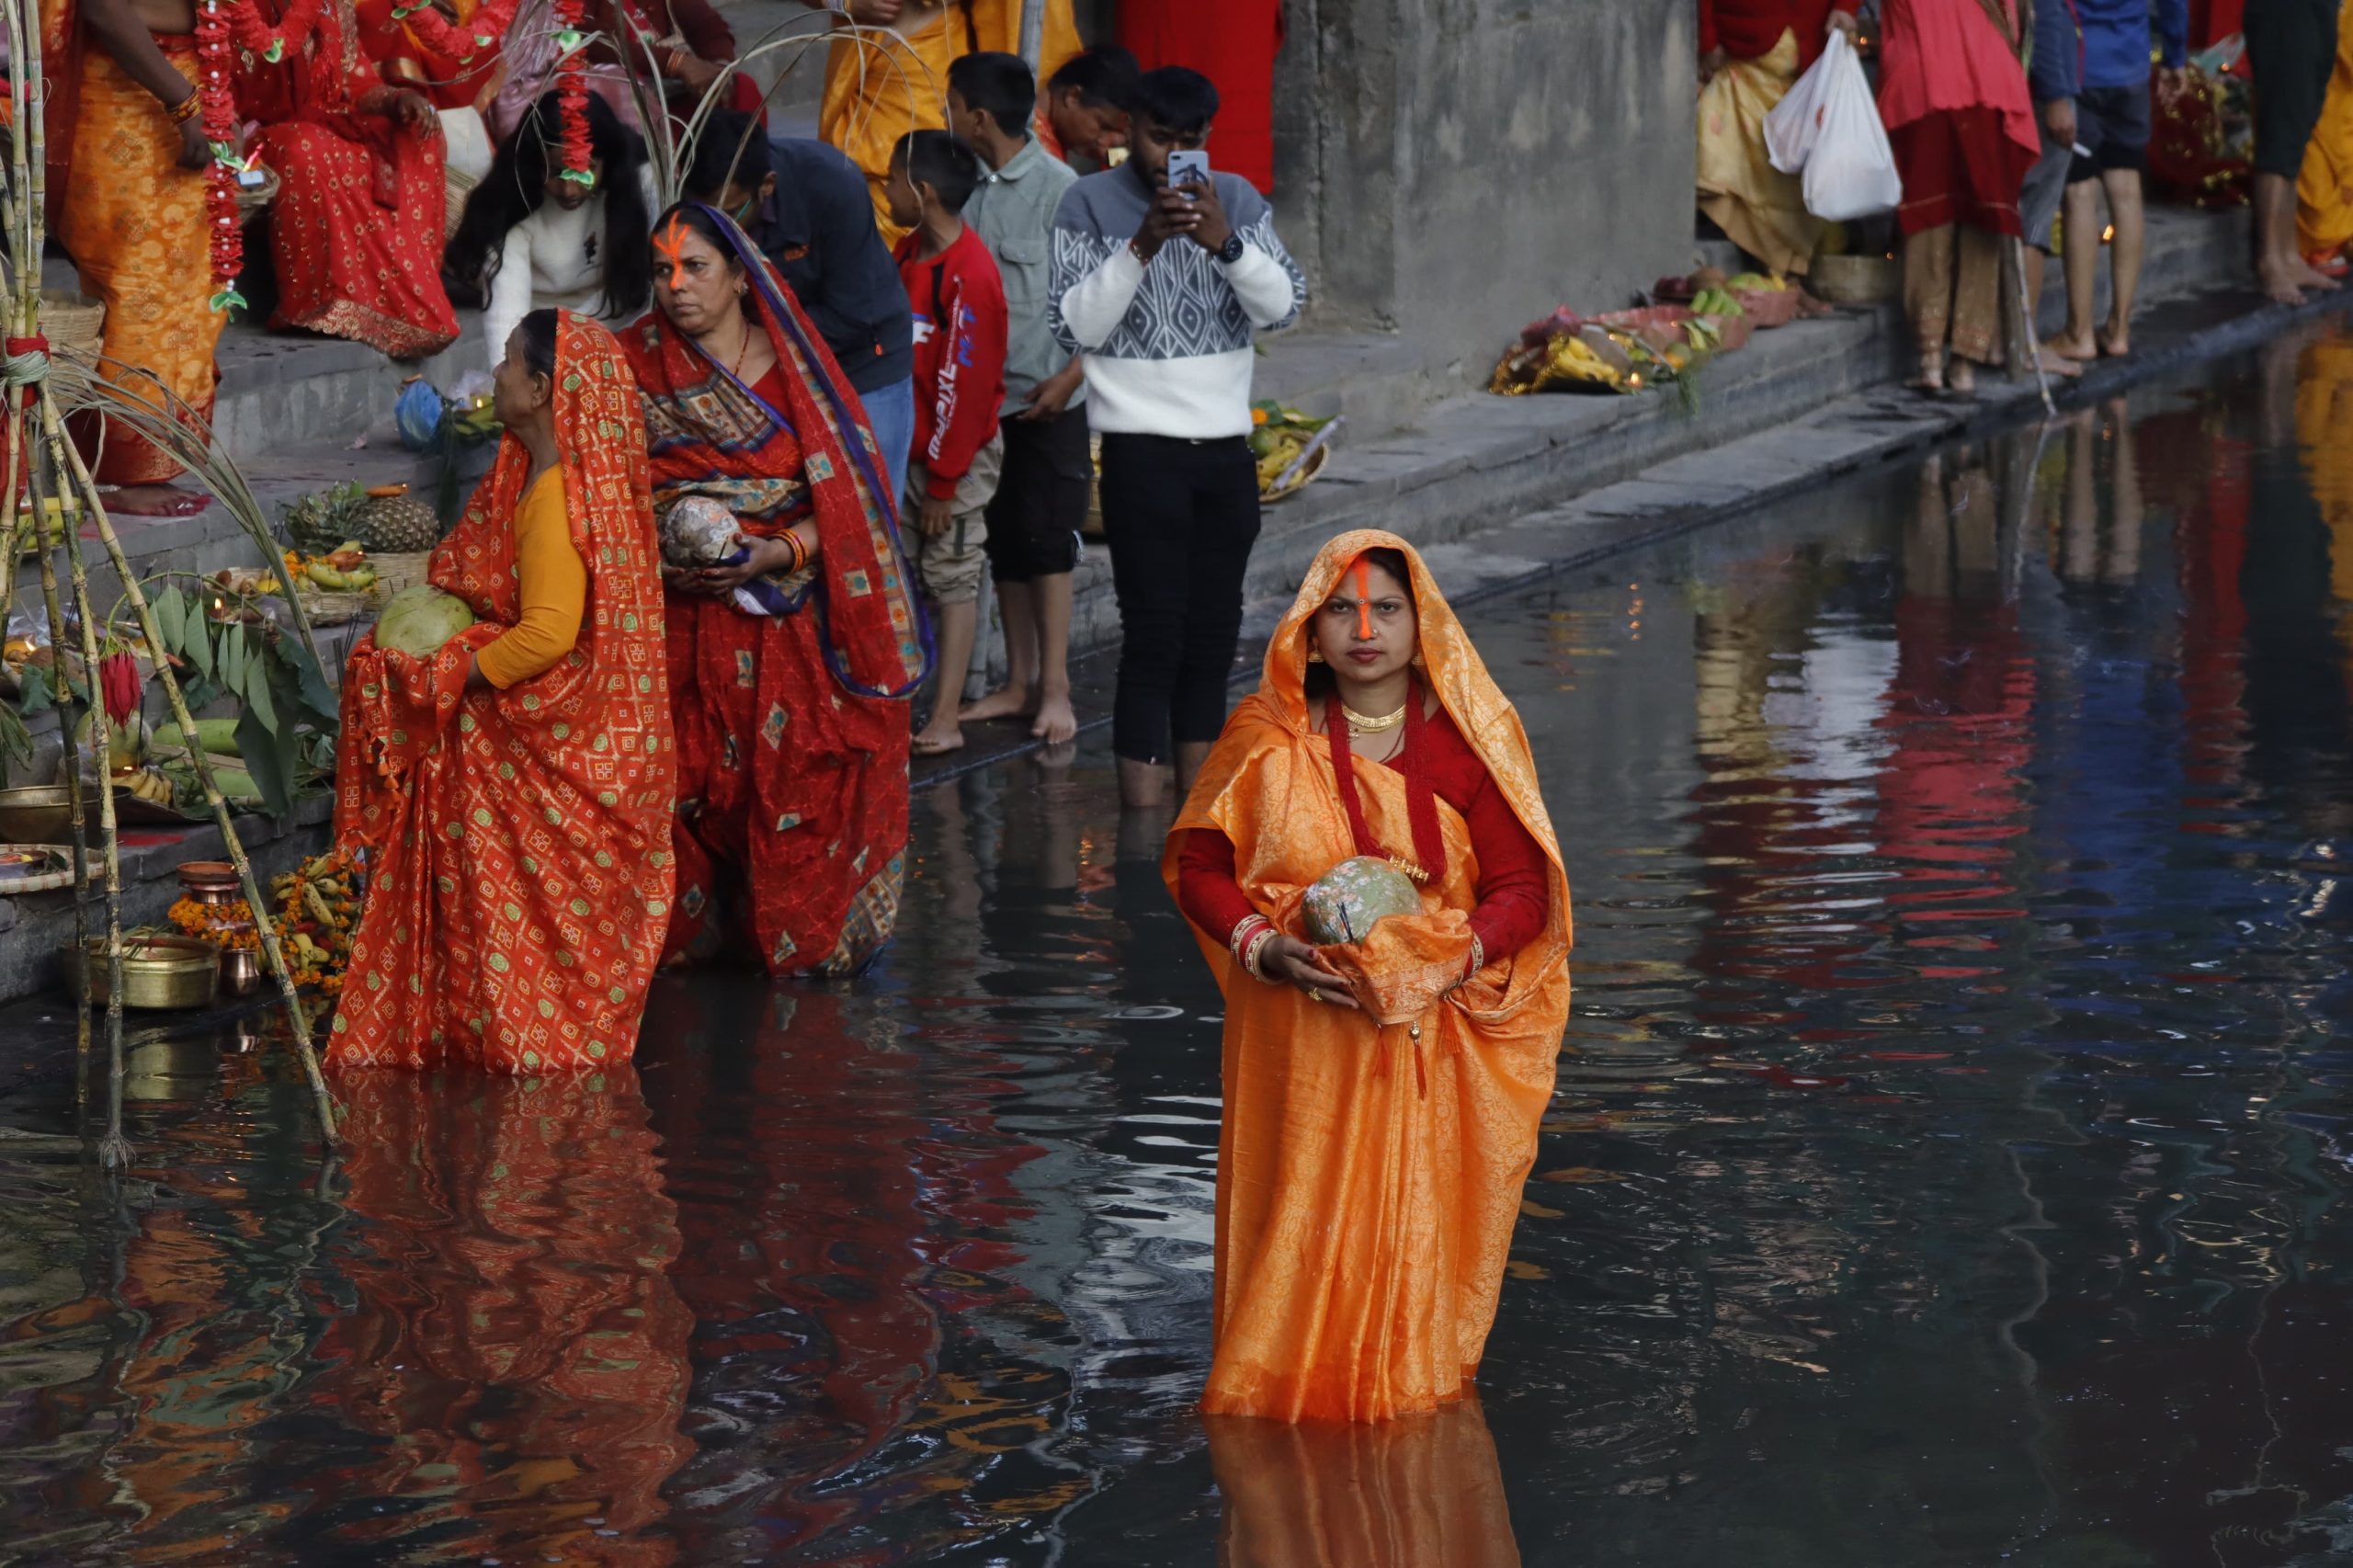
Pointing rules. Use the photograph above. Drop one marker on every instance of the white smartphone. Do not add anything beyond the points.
(1187, 168)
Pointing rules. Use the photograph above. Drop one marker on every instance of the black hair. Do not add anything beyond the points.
(999, 86)
(516, 186)
(1104, 77)
(1176, 100)
(730, 147)
(537, 329)
(1319, 684)
(943, 161)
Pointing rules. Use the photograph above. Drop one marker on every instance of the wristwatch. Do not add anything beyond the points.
(1230, 252)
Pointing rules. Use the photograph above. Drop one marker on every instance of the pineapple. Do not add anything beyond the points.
(318, 523)
(397, 523)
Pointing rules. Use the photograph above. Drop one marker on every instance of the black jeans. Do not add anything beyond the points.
(1181, 518)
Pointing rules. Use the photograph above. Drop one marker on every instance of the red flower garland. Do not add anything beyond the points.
(571, 88)
(458, 42)
(223, 27)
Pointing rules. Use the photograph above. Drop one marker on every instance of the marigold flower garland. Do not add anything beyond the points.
(458, 42)
(572, 90)
(220, 30)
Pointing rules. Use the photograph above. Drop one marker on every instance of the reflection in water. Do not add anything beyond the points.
(1950, 1169)
(1423, 1492)
(509, 1347)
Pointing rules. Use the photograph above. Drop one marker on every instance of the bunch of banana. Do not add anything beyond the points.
(1714, 302)
(150, 785)
(1756, 283)
(344, 570)
(1569, 357)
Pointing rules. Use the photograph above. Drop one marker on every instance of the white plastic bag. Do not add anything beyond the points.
(1793, 125)
(1828, 127)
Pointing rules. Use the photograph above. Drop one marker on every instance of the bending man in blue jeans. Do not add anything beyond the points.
(1161, 290)
(809, 209)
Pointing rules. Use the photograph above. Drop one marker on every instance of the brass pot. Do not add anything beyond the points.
(157, 971)
(42, 814)
(240, 972)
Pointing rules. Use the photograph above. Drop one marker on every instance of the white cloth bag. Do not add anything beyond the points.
(1829, 128)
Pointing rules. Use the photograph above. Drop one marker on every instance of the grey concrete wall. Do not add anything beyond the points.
(1450, 168)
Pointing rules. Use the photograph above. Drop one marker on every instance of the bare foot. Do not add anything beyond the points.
(939, 739)
(157, 501)
(1005, 703)
(2079, 346)
(2115, 342)
(2311, 276)
(2054, 365)
(2282, 285)
(1961, 377)
(1056, 723)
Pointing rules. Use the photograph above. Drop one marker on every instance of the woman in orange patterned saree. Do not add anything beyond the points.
(514, 790)
(1381, 1100)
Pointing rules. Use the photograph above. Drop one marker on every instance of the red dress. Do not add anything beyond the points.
(356, 230)
(1234, 44)
(792, 728)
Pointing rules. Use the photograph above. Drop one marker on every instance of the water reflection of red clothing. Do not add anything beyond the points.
(513, 1333)
(1514, 889)
(356, 231)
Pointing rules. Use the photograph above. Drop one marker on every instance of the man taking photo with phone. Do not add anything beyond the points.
(1163, 274)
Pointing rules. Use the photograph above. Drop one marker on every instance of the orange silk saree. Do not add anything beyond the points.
(519, 869)
(1370, 1164)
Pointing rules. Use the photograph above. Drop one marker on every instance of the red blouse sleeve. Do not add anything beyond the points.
(1515, 879)
(1206, 890)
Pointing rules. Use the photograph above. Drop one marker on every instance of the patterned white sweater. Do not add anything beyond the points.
(1168, 346)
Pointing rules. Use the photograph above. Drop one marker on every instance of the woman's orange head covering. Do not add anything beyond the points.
(1452, 666)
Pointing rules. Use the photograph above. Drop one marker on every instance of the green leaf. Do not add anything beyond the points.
(16, 742)
(270, 758)
(199, 694)
(257, 694)
(170, 612)
(199, 650)
(314, 699)
(35, 695)
(232, 660)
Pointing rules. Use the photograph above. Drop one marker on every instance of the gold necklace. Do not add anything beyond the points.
(1359, 724)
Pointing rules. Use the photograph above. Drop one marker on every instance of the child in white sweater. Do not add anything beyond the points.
(530, 238)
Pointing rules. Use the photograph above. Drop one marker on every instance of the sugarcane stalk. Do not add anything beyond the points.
(273, 953)
(114, 1151)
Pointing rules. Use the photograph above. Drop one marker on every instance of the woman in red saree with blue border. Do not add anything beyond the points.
(792, 726)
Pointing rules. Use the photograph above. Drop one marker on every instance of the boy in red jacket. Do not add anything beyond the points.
(959, 317)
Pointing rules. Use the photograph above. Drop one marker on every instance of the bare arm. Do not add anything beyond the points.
(122, 30)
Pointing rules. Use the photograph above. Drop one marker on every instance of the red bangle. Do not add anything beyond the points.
(187, 108)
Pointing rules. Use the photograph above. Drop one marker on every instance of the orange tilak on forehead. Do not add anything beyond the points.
(1364, 597)
(672, 243)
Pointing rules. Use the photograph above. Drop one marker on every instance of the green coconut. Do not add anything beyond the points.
(1345, 901)
(420, 620)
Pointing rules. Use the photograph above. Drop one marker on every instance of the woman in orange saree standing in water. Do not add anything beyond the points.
(1381, 1097)
(514, 790)
(790, 660)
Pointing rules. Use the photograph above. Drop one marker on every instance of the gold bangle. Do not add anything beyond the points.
(187, 108)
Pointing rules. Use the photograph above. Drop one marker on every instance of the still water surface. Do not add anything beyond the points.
(1951, 1168)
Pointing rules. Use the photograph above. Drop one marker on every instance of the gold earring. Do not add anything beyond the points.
(1314, 654)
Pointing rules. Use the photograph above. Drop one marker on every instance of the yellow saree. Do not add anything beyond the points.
(2325, 185)
(1760, 208)
(1369, 1172)
(881, 84)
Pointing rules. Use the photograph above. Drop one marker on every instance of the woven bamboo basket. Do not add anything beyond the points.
(73, 322)
(336, 609)
(404, 570)
(1306, 476)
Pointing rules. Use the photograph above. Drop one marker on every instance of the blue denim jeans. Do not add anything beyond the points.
(891, 414)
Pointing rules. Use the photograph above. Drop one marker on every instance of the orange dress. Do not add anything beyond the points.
(1369, 1165)
(519, 862)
